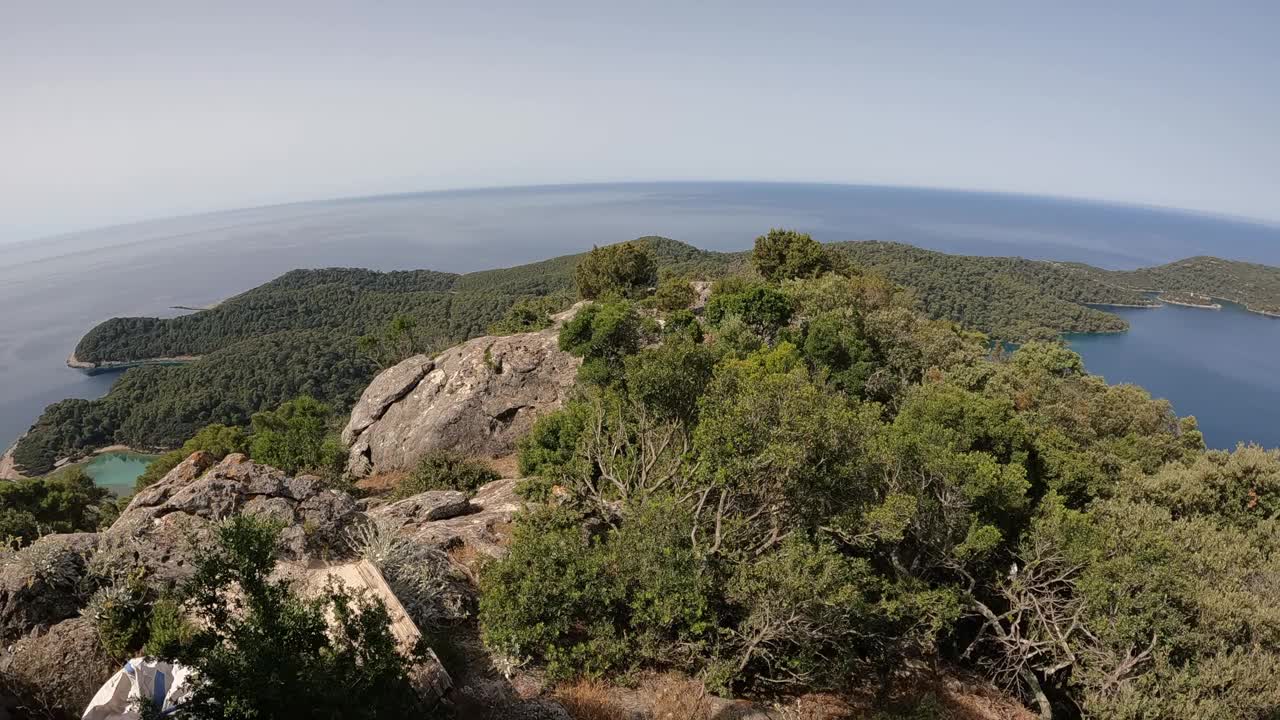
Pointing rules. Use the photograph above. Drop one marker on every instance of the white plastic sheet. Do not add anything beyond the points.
(159, 684)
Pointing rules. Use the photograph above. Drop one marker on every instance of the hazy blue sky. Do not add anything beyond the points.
(117, 111)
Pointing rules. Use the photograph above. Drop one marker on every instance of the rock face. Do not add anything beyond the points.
(39, 585)
(55, 673)
(477, 399)
(166, 522)
(437, 520)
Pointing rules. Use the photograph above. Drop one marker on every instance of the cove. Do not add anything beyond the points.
(116, 471)
(1222, 366)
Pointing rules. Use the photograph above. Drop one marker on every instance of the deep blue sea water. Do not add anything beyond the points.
(1217, 366)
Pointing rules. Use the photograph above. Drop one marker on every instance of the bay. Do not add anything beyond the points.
(53, 290)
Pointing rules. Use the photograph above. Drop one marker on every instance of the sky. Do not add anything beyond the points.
(120, 111)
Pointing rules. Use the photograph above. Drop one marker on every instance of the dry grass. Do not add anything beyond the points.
(586, 700)
(382, 482)
(676, 699)
(507, 466)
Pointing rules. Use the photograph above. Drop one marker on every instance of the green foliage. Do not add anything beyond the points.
(786, 254)
(1009, 298)
(397, 341)
(217, 440)
(602, 334)
(445, 470)
(673, 294)
(683, 323)
(66, 501)
(763, 308)
(1250, 284)
(596, 605)
(669, 379)
(549, 453)
(169, 633)
(265, 651)
(121, 612)
(625, 270)
(528, 315)
(297, 437)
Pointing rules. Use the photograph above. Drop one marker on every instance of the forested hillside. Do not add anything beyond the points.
(1008, 298)
(326, 332)
(1250, 284)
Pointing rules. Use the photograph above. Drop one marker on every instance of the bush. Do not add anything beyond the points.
(674, 294)
(528, 315)
(602, 334)
(217, 440)
(121, 612)
(445, 470)
(264, 651)
(763, 308)
(297, 437)
(683, 323)
(787, 254)
(588, 606)
(625, 270)
(66, 501)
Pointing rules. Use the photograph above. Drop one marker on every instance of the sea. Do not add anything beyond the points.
(1221, 366)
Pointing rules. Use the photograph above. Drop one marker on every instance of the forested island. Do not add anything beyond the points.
(325, 333)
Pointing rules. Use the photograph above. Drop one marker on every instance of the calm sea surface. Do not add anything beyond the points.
(1221, 367)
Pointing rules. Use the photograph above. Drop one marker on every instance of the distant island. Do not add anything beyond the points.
(317, 331)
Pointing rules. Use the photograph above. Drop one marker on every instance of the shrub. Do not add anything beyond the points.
(217, 440)
(763, 308)
(602, 334)
(626, 270)
(683, 323)
(528, 315)
(264, 651)
(169, 634)
(296, 437)
(549, 453)
(446, 470)
(120, 611)
(587, 606)
(65, 501)
(674, 294)
(786, 254)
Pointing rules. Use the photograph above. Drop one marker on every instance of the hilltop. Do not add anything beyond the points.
(324, 332)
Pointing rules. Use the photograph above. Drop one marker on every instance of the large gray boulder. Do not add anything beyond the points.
(447, 521)
(476, 399)
(165, 524)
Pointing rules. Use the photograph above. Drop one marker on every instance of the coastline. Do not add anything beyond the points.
(8, 466)
(1202, 306)
(94, 368)
(1124, 305)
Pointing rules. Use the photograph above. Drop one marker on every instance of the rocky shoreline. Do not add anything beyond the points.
(9, 466)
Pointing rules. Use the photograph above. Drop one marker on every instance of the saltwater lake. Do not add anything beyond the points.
(116, 471)
(1221, 367)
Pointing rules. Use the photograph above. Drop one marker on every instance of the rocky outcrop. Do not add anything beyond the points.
(166, 522)
(55, 673)
(39, 586)
(436, 520)
(477, 399)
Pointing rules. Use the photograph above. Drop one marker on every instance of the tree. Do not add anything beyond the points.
(261, 650)
(786, 254)
(66, 501)
(674, 294)
(602, 334)
(625, 270)
(763, 308)
(296, 437)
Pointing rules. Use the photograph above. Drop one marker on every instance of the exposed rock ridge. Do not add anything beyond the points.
(476, 398)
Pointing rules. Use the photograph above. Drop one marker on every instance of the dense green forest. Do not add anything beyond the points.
(1250, 284)
(1008, 298)
(830, 488)
(300, 334)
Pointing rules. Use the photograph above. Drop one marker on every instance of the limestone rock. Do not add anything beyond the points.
(425, 507)
(57, 672)
(39, 584)
(165, 523)
(477, 399)
(479, 528)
